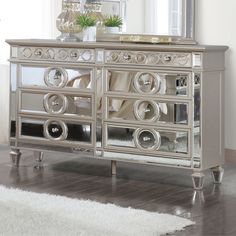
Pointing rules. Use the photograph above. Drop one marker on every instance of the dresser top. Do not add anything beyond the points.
(114, 45)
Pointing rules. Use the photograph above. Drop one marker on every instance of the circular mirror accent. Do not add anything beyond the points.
(86, 55)
(147, 82)
(38, 52)
(55, 103)
(74, 55)
(27, 52)
(55, 130)
(141, 58)
(147, 139)
(146, 111)
(55, 77)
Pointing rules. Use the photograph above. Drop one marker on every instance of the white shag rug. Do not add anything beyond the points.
(31, 214)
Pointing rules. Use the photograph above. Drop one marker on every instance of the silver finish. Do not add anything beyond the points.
(38, 159)
(148, 58)
(146, 110)
(179, 14)
(103, 74)
(56, 54)
(113, 167)
(15, 155)
(198, 180)
(55, 130)
(147, 82)
(217, 174)
(55, 77)
(147, 139)
(55, 103)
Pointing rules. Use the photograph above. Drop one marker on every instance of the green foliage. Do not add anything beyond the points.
(85, 21)
(113, 21)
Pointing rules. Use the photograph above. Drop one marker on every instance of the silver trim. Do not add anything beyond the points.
(64, 77)
(64, 134)
(47, 106)
(156, 110)
(156, 136)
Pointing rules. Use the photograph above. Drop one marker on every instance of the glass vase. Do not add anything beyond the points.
(66, 21)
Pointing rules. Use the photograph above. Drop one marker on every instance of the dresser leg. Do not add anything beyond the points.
(113, 167)
(217, 174)
(198, 180)
(38, 156)
(15, 155)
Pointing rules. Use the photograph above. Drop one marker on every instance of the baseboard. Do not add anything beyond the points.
(230, 154)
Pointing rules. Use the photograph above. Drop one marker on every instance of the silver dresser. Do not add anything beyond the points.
(149, 104)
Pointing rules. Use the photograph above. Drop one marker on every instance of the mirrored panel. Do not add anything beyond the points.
(13, 100)
(148, 82)
(147, 139)
(153, 17)
(57, 104)
(149, 111)
(56, 130)
(57, 77)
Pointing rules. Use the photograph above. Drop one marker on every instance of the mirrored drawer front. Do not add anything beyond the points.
(57, 77)
(57, 54)
(56, 130)
(148, 82)
(57, 104)
(147, 140)
(149, 58)
(150, 111)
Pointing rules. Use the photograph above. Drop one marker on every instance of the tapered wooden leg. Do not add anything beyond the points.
(198, 180)
(217, 174)
(15, 156)
(113, 167)
(38, 159)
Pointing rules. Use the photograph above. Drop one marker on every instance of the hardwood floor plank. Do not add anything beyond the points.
(165, 190)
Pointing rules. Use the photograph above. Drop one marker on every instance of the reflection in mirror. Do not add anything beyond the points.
(153, 17)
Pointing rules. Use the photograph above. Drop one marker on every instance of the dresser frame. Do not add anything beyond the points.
(206, 63)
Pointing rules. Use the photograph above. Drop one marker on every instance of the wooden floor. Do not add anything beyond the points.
(156, 189)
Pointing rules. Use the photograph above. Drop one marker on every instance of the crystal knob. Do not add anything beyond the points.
(55, 130)
(147, 111)
(147, 139)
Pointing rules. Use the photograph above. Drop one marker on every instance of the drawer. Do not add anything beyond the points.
(56, 131)
(147, 140)
(148, 82)
(57, 77)
(57, 54)
(173, 59)
(53, 103)
(149, 111)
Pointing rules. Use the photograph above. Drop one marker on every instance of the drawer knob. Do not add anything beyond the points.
(146, 111)
(55, 77)
(55, 103)
(167, 58)
(127, 57)
(147, 82)
(55, 130)
(147, 139)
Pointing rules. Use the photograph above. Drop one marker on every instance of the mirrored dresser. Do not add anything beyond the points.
(149, 104)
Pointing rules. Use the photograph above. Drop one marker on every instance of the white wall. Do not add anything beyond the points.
(21, 19)
(215, 24)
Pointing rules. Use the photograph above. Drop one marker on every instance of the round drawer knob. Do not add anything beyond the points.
(55, 77)
(146, 82)
(55, 103)
(146, 111)
(55, 130)
(147, 139)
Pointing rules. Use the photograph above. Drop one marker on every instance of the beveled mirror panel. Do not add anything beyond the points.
(147, 140)
(174, 18)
